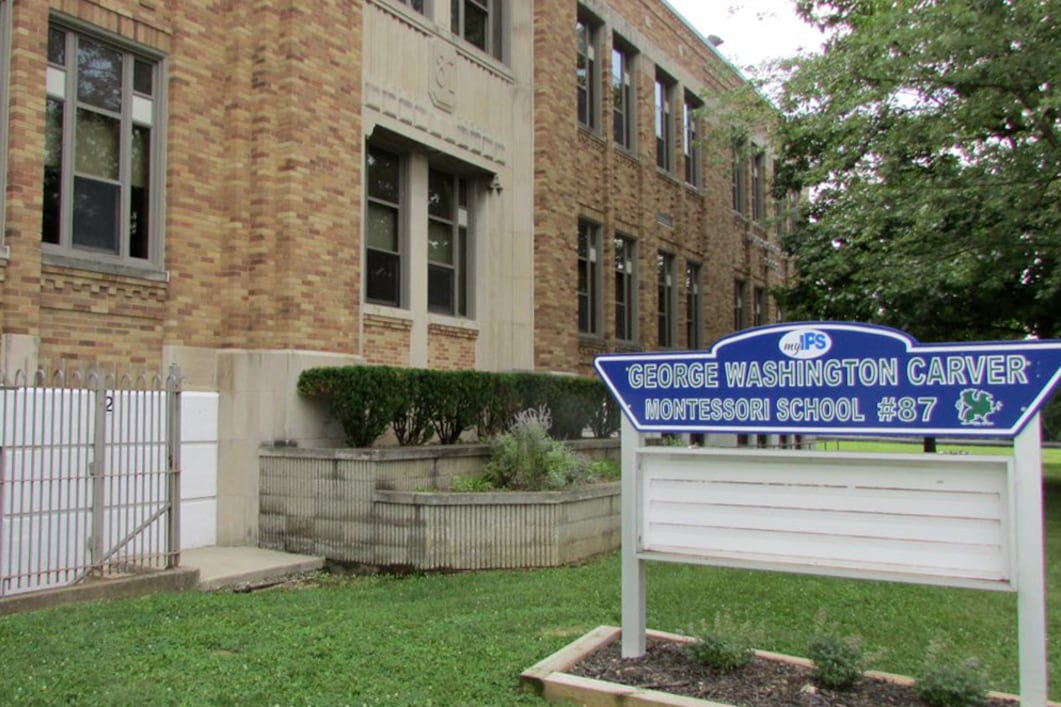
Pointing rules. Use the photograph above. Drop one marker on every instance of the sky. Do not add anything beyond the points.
(753, 31)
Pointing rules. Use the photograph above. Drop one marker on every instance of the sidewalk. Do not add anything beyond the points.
(221, 567)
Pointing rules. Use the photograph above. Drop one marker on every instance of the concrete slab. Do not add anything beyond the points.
(220, 567)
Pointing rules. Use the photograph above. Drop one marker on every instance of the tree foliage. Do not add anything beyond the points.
(928, 138)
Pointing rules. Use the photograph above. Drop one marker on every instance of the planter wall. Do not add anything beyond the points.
(369, 507)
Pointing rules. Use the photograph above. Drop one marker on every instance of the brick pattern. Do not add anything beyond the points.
(450, 348)
(626, 192)
(387, 340)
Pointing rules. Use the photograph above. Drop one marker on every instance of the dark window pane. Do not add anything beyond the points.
(382, 280)
(440, 195)
(440, 289)
(53, 160)
(462, 265)
(381, 222)
(96, 208)
(383, 175)
(476, 24)
(440, 243)
(99, 75)
(57, 46)
(143, 77)
(97, 144)
(139, 190)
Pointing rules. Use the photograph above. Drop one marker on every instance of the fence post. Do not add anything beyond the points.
(98, 468)
(173, 471)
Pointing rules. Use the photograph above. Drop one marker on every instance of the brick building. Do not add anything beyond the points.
(250, 189)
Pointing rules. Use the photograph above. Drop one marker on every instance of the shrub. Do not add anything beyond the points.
(363, 399)
(949, 682)
(838, 662)
(525, 458)
(412, 419)
(454, 401)
(723, 644)
(606, 469)
(500, 407)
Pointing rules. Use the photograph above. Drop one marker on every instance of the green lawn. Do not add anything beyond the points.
(462, 639)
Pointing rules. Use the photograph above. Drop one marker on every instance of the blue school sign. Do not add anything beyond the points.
(830, 377)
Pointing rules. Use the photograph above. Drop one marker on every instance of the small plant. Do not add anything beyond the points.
(949, 682)
(475, 484)
(723, 644)
(839, 662)
(605, 469)
(525, 458)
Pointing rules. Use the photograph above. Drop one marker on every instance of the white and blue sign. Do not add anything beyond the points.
(837, 378)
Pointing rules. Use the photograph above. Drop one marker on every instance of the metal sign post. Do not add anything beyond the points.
(840, 379)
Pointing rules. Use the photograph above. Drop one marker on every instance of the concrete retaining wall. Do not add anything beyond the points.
(370, 507)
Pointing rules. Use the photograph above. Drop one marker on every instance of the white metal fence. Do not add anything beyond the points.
(89, 476)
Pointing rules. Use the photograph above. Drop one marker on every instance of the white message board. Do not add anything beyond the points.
(930, 519)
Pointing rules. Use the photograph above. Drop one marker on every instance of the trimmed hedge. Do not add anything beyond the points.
(418, 404)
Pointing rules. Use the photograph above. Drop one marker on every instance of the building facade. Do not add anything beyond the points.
(251, 189)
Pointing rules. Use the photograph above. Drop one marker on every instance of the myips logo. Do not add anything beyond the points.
(805, 343)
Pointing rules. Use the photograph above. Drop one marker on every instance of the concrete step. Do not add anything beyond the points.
(224, 567)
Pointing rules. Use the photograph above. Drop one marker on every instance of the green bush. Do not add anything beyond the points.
(454, 400)
(526, 459)
(363, 399)
(476, 484)
(412, 419)
(605, 469)
(723, 644)
(949, 682)
(839, 663)
(501, 405)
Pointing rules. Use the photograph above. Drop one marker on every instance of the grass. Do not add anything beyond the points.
(462, 639)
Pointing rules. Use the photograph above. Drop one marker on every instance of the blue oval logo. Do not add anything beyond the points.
(805, 343)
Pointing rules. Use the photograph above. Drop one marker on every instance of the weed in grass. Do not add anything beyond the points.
(724, 644)
(950, 682)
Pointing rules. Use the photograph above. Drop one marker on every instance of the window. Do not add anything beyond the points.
(625, 287)
(759, 306)
(383, 242)
(101, 150)
(691, 139)
(739, 316)
(622, 97)
(589, 286)
(588, 81)
(694, 306)
(417, 5)
(478, 22)
(740, 177)
(664, 123)
(447, 243)
(665, 298)
(758, 186)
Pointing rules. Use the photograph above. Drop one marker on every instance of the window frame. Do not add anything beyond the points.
(416, 5)
(740, 178)
(493, 41)
(590, 233)
(666, 299)
(663, 111)
(136, 111)
(694, 305)
(758, 306)
(694, 168)
(401, 216)
(758, 190)
(624, 125)
(740, 315)
(459, 223)
(587, 33)
(625, 273)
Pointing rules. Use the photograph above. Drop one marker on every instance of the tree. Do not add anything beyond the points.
(927, 137)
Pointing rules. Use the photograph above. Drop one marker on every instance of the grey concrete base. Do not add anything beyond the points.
(175, 580)
(220, 567)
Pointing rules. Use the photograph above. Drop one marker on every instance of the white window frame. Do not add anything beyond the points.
(664, 121)
(694, 305)
(401, 217)
(691, 140)
(494, 40)
(666, 299)
(624, 127)
(625, 272)
(136, 109)
(459, 223)
(587, 33)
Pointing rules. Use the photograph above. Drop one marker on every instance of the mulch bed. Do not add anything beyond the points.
(764, 683)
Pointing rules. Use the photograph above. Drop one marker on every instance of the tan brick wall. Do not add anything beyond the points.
(450, 348)
(626, 192)
(387, 340)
